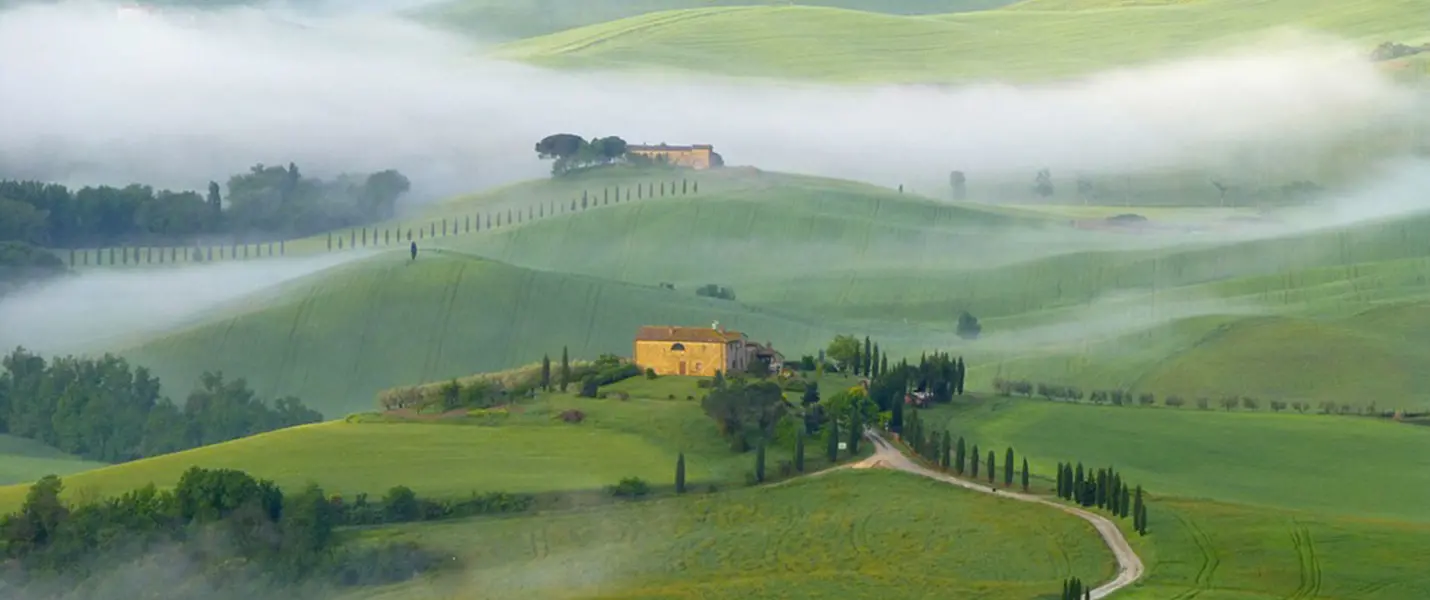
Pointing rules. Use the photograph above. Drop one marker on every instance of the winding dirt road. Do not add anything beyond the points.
(1129, 566)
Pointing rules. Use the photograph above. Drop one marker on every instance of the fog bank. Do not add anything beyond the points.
(98, 309)
(179, 98)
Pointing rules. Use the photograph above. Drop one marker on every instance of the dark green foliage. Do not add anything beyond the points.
(1025, 473)
(968, 327)
(680, 474)
(22, 263)
(630, 487)
(565, 369)
(832, 451)
(102, 409)
(546, 372)
(650, 374)
(711, 290)
(974, 463)
(799, 451)
(760, 463)
(1008, 468)
(589, 387)
(960, 456)
(945, 452)
(856, 432)
(992, 469)
(1074, 589)
(745, 411)
(867, 357)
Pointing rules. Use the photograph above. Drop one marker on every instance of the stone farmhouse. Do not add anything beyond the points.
(697, 156)
(700, 351)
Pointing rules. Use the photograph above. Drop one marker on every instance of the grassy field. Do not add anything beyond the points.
(1022, 41)
(526, 451)
(841, 534)
(511, 19)
(24, 460)
(1257, 459)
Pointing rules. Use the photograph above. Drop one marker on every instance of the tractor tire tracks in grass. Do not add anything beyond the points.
(1203, 580)
(1129, 565)
(1310, 566)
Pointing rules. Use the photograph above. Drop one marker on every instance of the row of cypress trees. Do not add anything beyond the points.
(950, 456)
(831, 452)
(1104, 489)
(1073, 589)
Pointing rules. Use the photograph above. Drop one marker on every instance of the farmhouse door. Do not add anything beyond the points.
(682, 367)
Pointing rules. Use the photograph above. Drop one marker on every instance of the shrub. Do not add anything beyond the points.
(630, 487)
(690, 397)
(1173, 401)
(588, 387)
(670, 396)
(704, 384)
(623, 396)
(573, 416)
(650, 373)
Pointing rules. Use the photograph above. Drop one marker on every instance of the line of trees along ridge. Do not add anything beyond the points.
(1120, 397)
(104, 409)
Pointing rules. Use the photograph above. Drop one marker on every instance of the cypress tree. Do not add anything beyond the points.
(1100, 491)
(856, 429)
(1079, 494)
(1126, 500)
(874, 362)
(798, 449)
(896, 416)
(946, 459)
(565, 369)
(1062, 482)
(1008, 468)
(868, 355)
(973, 464)
(680, 474)
(858, 361)
(992, 469)
(833, 449)
(1139, 512)
(760, 463)
(960, 456)
(1025, 473)
(546, 372)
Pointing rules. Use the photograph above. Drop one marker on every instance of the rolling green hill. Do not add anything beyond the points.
(829, 536)
(511, 19)
(23, 460)
(335, 338)
(1029, 41)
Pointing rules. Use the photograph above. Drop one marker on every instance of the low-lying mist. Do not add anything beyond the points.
(178, 98)
(100, 308)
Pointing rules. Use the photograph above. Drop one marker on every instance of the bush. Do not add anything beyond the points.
(573, 416)
(650, 373)
(588, 387)
(630, 487)
(704, 384)
(670, 396)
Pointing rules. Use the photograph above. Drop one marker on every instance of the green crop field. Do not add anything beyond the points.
(853, 534)
(526, 450)
(1021, 41)
(1259, 459)
(23, 460)
(510, 19)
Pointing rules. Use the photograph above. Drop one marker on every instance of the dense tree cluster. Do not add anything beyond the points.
(1074, 589)
(1104, 489)
(745, 411)
(572, 152)
(218, 519)
(103, 409)
(21, 263)
(267, 202)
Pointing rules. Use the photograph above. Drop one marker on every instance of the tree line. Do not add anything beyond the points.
(267, 202)
(104, 409)
(219, 518)
(1105, 489)
(1120, 397)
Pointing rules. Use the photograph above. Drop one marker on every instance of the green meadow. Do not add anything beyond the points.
(1026, 40)
(23, 460)
(853, 534)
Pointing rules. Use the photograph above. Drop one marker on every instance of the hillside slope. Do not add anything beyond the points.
(512, 19)
(335, 338)
(27, 460)
(1017, 42)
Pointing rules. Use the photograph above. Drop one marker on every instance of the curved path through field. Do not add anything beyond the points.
(1129, 566)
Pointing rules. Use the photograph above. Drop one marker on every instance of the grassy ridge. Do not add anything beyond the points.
(336, 338)
(834, 535)
(1277, 461)
(511, 19)
(27, 460)
(1015, 42)
(525, 450)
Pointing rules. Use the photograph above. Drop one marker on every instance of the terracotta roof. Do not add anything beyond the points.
(665, 333)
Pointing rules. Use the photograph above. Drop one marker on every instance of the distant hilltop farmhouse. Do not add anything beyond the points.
(696, 156)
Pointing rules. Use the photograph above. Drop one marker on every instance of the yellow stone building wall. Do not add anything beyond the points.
(697, 358)
(698, 158)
